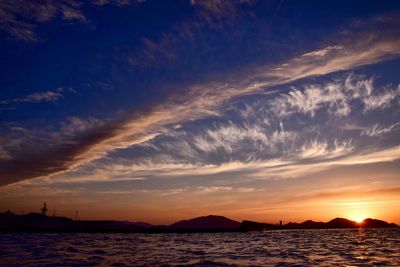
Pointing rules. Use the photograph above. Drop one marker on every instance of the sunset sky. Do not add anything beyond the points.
(158, 111)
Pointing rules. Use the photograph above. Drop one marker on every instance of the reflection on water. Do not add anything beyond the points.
(277, 248)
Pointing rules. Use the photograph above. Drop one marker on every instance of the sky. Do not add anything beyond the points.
(157, 111)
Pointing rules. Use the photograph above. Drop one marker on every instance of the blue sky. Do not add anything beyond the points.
(160, 110)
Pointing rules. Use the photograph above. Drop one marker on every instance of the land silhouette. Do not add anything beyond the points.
(40, 222)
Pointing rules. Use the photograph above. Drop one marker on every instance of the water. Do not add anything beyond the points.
(340, 247)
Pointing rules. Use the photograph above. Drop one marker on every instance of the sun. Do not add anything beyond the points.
(359, 219)
(358, 215)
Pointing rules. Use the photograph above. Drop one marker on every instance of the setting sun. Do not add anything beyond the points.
(359, 219)
(358, 216)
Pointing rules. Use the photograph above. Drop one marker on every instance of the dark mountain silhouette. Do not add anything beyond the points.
(255, 226)
(33, 221)
(377, 223)
(41, 222)
(335, 223)
(341, 223)
(37, 222)
(309, 224)
(206, 223)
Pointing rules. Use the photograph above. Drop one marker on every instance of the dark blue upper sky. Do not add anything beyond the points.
(122, 56)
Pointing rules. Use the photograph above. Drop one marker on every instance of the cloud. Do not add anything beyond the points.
(215, 9)
(35, 151)
(337, 96)
(324, 61)
(321, 150)
(377, 130)
(47, 96)
(289, 167)
(201, 101)
(75, 125)
(4, 155)
(227, 136)
(20, 18)
(166, 48)
(115, 2)
(312, 99)
(323, 52)
(39, 97)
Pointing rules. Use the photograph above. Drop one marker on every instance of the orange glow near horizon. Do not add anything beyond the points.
(359, 219)
(156, 208)
(358, 216)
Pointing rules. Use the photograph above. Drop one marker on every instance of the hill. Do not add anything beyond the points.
(35, 222)
(309, 224)
(206, 223)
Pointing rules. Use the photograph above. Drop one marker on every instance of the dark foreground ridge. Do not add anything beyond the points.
(36, 222)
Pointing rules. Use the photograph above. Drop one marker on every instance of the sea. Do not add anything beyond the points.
(328, 247)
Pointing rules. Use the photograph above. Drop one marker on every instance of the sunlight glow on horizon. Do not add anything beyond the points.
(359, 219)
(359, 215)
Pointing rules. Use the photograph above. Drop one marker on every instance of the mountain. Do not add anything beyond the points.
(341, 223)
(35, 222)
(335, 223)
(256, 226)
(210, 222)
(40, 222)
(112, 225)
(377, 223)
(309, 224)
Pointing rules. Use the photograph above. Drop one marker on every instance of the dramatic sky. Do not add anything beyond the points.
(162, 110)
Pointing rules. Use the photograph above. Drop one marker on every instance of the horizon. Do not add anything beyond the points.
(360, 222)
(54, 214)
(157, 111)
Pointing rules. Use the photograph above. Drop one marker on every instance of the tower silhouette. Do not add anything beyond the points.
(44, 209)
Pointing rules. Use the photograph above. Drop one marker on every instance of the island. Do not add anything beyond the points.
(37, 222)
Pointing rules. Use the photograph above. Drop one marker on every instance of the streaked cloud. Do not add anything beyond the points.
(20, 18)
(47, 96)
(207, 99)
(227, 136)
(214, 15)
(16, 16)
(39, 97)
(320, 150)
(376, 130)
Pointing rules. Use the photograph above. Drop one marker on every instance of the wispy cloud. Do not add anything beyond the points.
(227, 136)
(321, 150)
(377, 130)
(269, 169)
(47, 96)
(40, 97)
(324, 61)
(204, 100)
(115, 2)
(208, 15)
(337, 96)
(4, 155)
(20, 18)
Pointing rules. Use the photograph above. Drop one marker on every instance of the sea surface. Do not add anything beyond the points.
(333, 247)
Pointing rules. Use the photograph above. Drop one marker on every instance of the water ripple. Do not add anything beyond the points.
(341, 247)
